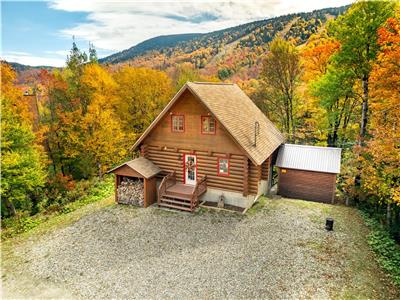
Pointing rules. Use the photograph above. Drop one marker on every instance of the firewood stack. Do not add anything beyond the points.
(131, 192)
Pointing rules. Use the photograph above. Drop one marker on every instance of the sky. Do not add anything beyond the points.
(40, 32)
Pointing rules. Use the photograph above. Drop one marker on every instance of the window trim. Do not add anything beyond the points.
(172, 123)
(201, 125)
(218, 167)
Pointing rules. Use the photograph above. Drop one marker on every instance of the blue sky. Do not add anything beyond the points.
(40, 32)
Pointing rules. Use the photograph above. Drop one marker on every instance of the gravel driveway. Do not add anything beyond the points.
(280, 251)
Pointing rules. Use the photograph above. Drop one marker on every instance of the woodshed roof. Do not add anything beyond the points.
(142, 166)
(238, 115)
(309, 158)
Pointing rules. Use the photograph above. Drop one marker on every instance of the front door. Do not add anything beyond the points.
(190, 169)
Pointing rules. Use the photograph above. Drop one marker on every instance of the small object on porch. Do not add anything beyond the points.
(131, 191)
(329, 224)
(221, 201)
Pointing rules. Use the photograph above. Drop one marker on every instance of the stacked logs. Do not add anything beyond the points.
(131, 192)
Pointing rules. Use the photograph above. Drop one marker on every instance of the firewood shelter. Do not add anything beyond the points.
(135, 182)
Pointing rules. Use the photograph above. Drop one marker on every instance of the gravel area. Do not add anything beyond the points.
(281, 251)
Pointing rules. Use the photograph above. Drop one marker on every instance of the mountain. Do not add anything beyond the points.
(156, 43)
(21, 68)
(297, 27)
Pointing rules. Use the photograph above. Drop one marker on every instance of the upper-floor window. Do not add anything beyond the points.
(178, 123)
(207, 125)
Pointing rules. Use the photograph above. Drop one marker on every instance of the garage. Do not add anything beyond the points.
(135, 182)
(308, 172)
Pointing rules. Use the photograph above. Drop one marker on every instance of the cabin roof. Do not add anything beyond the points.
(309, 158)
(142, 166)
(237, 113)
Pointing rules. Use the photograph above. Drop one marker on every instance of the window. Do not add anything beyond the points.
(207, 125)
(177, 123)
(223, 167)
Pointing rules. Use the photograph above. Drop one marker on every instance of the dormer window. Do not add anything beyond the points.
(207, 125)
(177, 123)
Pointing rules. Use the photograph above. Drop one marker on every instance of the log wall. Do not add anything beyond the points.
(307, 185)
(171, 159)
(192, 138)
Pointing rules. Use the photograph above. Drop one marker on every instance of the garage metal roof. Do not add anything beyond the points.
(310, 158)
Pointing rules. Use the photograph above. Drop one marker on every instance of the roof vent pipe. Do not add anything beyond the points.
(256, 132)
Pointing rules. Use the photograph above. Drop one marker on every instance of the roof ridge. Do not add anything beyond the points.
(312, 146)
(211, 83)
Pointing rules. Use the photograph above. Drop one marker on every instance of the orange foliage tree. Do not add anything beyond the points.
(381, 159)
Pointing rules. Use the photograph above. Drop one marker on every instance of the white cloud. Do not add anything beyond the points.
(63, 53)
(120, 24)
(32, 60)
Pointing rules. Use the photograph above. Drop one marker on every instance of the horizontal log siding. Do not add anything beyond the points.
(265, 169)
(254, 178)
(170, 160)
(307, 185)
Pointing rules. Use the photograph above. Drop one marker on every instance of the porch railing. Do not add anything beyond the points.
(199, 188)
(167, 182)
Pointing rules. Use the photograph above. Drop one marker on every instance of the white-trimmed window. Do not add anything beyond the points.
(177, 123)
(208, 125)
(223, 167)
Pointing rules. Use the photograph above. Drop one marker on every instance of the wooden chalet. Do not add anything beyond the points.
(210, 142)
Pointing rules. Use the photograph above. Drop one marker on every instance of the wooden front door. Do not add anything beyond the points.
(190, 163)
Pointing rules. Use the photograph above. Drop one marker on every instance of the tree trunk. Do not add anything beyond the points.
(388, 215)
(100, 172)
(10, 207)
(364, 111)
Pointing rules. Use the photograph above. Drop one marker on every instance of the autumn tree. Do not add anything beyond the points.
(356, 31)
(105, 141)
(281, 72)
(141, 93)
(381, 156)
(22, 162)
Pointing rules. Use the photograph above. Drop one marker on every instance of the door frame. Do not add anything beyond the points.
(184, 167)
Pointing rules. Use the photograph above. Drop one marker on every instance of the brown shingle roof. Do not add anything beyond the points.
(237, 113)
(141, 165)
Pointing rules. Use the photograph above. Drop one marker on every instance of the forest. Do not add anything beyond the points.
(326, 78)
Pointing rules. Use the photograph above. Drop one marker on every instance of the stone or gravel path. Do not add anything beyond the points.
(280, 252)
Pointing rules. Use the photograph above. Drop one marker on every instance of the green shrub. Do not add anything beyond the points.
(83, 193)
(385, 248)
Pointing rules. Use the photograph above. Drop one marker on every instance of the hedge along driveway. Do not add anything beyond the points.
(279, 250)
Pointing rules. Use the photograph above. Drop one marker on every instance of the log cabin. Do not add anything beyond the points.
(210, 142)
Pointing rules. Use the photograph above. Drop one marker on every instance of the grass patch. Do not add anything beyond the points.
(15, 226)
(385, 248)
(258, 206)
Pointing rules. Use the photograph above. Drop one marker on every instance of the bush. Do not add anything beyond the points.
(385, 248)
(64, 202)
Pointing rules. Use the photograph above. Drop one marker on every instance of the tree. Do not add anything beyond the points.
(337, 98)
(281, 71)
(356, 31)
(22, 164)
(105, 142)
(141, 93)
(92, 54)
(381, 156)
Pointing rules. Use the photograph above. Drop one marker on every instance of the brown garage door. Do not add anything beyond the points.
(307, 185)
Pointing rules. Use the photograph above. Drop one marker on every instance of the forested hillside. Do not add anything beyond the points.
(226, 52)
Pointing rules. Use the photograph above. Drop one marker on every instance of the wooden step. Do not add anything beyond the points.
(178, 195)
(175, 206)
(163, 199)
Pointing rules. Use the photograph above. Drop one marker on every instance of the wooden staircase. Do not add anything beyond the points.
(178, 195)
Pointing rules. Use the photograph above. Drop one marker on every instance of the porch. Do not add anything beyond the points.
(172, 194)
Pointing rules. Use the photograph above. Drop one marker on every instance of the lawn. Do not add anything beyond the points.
(278, 250)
